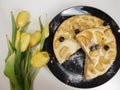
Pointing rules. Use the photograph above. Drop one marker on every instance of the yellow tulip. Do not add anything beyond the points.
(22, 18)
(46, 29)
(25, 39)
(35, 38)
(40, 59)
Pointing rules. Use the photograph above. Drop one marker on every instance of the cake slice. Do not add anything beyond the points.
(99, 45)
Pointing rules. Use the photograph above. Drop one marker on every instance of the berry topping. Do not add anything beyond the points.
(106, 47)
(97, 46)
(77, 31)
(61, 39)
(105, 23)
(92, 48)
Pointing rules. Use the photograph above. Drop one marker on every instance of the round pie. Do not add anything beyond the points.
(85, 31)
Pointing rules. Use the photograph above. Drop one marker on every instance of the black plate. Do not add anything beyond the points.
(71, 72)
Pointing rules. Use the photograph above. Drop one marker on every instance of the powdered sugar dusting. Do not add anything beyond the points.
(110, 71)
(75, 78)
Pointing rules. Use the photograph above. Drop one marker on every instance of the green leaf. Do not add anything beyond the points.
(26, 67)
(25, 26)
(14, 29)
(10, 49)
(42, 41)
(27, 61)
(12, 86)
(18, 64)
(26, 83)
(41, 25)
(9, 71)
(32, 75)
(42, 36)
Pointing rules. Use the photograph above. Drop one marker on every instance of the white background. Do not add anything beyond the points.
(45, 79)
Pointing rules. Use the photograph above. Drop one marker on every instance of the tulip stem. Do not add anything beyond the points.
(43, 34)
(12, 86)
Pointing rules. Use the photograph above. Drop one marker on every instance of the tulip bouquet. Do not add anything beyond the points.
(24, 60)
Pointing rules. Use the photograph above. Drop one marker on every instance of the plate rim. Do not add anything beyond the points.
(70, 16)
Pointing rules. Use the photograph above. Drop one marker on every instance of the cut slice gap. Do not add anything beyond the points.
(75, 63)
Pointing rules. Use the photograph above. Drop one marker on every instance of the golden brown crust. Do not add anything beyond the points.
(101, 59)
(67, 30)
(92, 32)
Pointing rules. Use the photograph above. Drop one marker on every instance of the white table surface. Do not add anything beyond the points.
(45, 80)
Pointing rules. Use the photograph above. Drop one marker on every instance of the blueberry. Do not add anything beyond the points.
(105, 23)
(106, 47)
(61, 39)
(92, 48)
(77, 31)
(97, 47)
